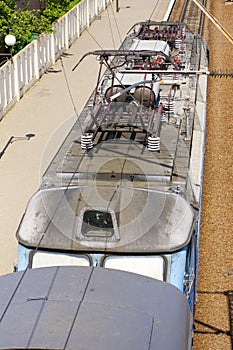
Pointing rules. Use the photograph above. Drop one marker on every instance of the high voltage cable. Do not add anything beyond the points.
(117, 27)
(153, 10)
(70, 94)
(110, 26)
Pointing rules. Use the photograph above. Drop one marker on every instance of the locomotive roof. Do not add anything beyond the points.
(91, 308)
(120, 180)
(120, 219)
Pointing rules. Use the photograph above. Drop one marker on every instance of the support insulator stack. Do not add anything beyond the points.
(153, 143)
(178, 42)
(169, 106)
(86, 141)
(183, 33)
(163, 117)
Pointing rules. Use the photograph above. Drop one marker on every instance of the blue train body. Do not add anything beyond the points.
(124, 190)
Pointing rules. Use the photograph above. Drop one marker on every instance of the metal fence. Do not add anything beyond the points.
(23, 70)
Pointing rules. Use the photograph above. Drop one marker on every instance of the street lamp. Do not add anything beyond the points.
(117, 6)
(10, 41)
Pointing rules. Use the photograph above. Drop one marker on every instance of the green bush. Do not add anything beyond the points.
(27, 24)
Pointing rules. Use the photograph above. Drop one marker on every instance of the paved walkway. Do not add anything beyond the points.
(47, 112)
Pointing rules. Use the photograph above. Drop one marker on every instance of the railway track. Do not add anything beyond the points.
(187, 11)
(214, 309)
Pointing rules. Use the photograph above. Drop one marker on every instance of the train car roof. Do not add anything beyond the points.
(91, 308)
(142, 221)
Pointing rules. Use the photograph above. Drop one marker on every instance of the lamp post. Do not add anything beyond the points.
(10, 41)
(117, 5)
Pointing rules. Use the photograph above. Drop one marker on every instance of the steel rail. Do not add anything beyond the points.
(184, 10)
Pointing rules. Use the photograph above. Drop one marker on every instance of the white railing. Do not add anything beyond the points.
(20, 73)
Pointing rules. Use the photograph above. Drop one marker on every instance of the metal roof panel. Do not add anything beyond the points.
(92, 308)
(147, 221)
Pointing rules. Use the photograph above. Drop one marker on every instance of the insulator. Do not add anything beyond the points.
(178, 42)
(182, 57)
(163, 117)
(169, 106)
(182, 47)
(86, 141)
(178, 77)
(182, 60)
(183, 32)
(153, 143)
(221, 74)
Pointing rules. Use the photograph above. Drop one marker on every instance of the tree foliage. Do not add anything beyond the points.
(26, 24)
(55, 9)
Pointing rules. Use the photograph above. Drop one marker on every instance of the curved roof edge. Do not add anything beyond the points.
(60, 307)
